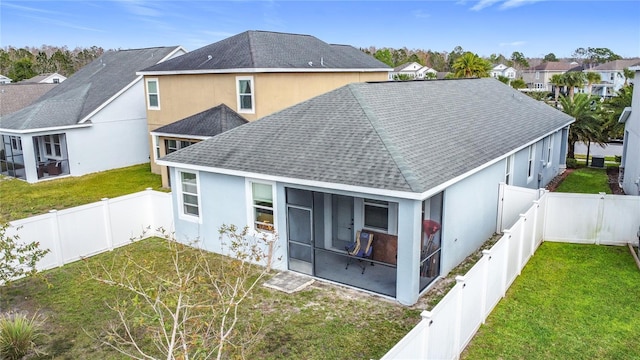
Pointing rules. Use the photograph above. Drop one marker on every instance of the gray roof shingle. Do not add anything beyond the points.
(210, 122)
(270, 50)
(72, 100)
(404, 136)
(14, 97)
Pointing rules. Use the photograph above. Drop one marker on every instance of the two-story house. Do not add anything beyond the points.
(414, 71)
(503, 70)
(612, 76)
(539, 77)
(630, 166)
(254, 73)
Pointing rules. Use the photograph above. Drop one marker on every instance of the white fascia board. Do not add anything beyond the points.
(179, 136)
(311, 183)
(49, 129)
(110, 100)
(257, 70)
(178, 48)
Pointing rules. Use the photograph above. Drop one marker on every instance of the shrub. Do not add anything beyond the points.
(618, 158)
(20, 335)
(572, 163)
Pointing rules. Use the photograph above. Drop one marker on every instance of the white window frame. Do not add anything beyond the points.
(180, 192)
(359, 216)
(53, 145)
(251, 220)
(508, 170)
(531, 168)
(549, 151)
(16, 142)
(157, 93)
(253, 95)
(537, 75)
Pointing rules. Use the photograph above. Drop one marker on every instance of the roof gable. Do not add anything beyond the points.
(210, 122)
(270, 50)
(402, 136)
(98, 81)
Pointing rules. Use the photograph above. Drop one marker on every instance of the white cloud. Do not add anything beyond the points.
(483, 4)
(29, 9)
(421, 14)
(513, 43)
(510, 4)
(140, 8)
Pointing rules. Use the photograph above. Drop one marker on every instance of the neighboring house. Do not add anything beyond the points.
(630, 165)
(414, 71)
(5, 80)
(539, 77)
(49, 78)
(255, 73)
(612, 76)
(379, 157)
(93, 121)
(14, 97)
(503, 70)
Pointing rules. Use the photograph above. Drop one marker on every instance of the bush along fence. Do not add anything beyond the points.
(79, 232)
(445, 331)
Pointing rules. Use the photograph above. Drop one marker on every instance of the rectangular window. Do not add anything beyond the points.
(530, 164)
(549, 151)
(262, 204)
(246, 100)
(52, 145)
(508, 179)
(56, 80)
(376, 215)
(172, 145)
(537, 75)
(153, 94)
(189, 196)
(16, 143)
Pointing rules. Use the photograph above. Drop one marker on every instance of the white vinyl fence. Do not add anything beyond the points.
(578, 218)
(86, 230)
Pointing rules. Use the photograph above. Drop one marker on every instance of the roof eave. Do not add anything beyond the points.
(260, 70)
(47, 129)
(181, 136)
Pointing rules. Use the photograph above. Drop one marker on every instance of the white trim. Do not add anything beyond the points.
(508, 175)
(625, 114)
(531, 162)
(170, 55)
(258, 70)
(549, 150)
(248, 182)
(353, 188)
(180, 136)
(54, 128)
(155, 147)
(146, 93)
(181, 214)
(109, 101)
(252, 86)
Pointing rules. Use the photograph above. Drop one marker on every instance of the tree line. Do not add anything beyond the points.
(444, 61)
(26, 62)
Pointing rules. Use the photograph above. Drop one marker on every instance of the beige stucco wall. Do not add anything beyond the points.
(184, 95)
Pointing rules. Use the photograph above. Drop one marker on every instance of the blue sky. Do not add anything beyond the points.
(533, 27)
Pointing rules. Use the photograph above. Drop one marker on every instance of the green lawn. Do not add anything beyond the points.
(571, 302)
(586, 181)
(321, 322)
(19, 199)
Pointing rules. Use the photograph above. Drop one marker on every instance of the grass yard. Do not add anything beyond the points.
(19, 199)
(571, 302)
(586, 181)
(320, 322)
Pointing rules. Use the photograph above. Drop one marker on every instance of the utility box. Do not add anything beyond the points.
(597, 161)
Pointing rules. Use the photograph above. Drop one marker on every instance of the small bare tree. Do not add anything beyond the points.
(194, 311)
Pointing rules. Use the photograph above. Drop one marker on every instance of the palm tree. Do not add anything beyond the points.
(574, 79)
(558, 80)
(470, 65)
(592, 78)
(587, 127)
(612, 109)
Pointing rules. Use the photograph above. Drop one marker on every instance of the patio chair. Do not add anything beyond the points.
(361, 249)
(54, 167)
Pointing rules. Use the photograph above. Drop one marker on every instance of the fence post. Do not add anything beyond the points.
(55, 231)
(458, 321)
(505, 267)
(600, 218)
(485, 280)
(534, 230)
(106, 210)
(427, 317)
(523, 219)
(501, 187)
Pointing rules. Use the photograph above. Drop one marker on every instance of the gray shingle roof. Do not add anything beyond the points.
(618, 64)
(82, 93)
(265, 50)
(210, 122)
(405, 136)
(14, 97)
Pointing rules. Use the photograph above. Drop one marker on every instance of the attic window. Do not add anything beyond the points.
(246, 100)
